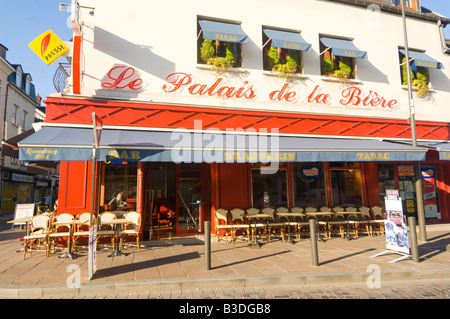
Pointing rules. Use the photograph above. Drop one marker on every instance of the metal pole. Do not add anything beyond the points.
(413, 239)
(207, 245)
(418, 181)
(91, 219)
(313, 236)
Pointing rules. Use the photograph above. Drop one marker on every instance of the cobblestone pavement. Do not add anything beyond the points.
(415, 289)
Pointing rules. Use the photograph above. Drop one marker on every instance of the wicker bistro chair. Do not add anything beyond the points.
(274, 227)
(339, 221)
(285, 220)
(254, 225)
(131, 229)
(237, 223)
(325, 219)
(37, 234)
(82, 230)
(222, 225)
(103, 228)
(363, 221)
(57, 232)
(378, 221)
(300, 221)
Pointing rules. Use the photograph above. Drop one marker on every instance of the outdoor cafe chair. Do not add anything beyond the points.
(82, 230)
(237, 223)
(301, 222)
(363, 221)
(377, 221)
(339, 221)
(59, 231)
(254, 225)
(132, 228)
(103, 228)
(37, 235)
(222, 225)
(274, 227)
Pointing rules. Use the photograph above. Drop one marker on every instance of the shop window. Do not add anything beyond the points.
(222, 53)
(309, 185)
(346, 187)
(286, 61)
(121, 178)
(386, 179)
(269, 190)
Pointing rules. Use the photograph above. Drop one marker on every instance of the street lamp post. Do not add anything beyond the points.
(418, 181)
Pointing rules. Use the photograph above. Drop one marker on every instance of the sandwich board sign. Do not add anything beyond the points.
(396, 231)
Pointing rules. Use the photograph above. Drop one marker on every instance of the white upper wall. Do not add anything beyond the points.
(158, 38)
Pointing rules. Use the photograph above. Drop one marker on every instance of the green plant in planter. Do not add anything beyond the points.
(327, 67)
(421, 83)
(405, 74)
(208, 55)
(208, 50)
(285, 69)
(344, 70)
(220, 63)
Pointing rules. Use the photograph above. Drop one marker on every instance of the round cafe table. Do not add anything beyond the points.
(315, 214)
(347, 214)
(255, 217)
(70, 224)
(118, 223)
(289, 215)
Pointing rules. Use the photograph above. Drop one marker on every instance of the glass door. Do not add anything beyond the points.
(346, 187)
(430, 191)
(189, 197)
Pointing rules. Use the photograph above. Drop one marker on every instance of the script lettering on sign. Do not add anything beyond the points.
(178, 81)
(120, 77)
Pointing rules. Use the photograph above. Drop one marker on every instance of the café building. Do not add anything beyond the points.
(208, 107)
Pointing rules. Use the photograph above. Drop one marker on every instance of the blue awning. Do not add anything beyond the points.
(222, 31)
(75, 144)
(421, 59)
(287, 40)
(442, 147)
(342, 47)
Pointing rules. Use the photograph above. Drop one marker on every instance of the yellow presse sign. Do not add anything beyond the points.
(48, 47)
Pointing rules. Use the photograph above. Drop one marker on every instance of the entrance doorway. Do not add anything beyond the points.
(174, 197)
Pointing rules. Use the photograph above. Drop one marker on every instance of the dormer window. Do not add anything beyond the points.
(19, 77)
(28, 85)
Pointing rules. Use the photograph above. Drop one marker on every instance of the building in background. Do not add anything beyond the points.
(197, 101)
(21, 182)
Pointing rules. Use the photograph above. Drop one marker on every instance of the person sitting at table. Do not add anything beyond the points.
(118, 201)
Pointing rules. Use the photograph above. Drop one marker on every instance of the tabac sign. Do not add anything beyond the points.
(48, 47)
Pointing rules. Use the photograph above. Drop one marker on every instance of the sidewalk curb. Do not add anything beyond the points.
(148, 286)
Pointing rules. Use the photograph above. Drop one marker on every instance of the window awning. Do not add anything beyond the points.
(421, 59)
(75, 144)
(287, 40)
(442, 147)
(343, 47)
(222, 31)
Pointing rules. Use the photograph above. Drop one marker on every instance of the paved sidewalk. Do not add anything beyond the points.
(178, 264)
